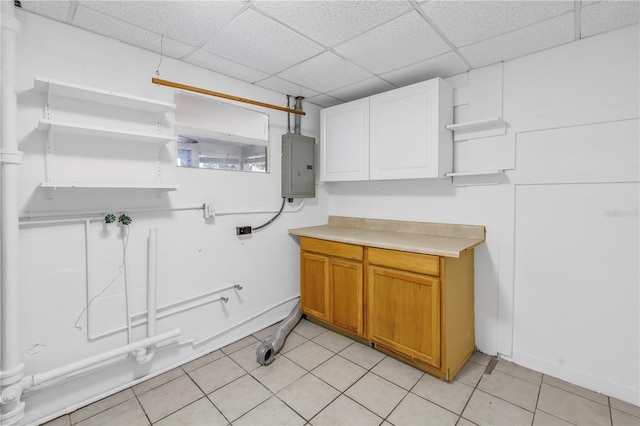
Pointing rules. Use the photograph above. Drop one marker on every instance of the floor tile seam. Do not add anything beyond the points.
(239, 349)
(329, 349)
(102, 411)
(470, 395)
(246, 412)
(294, 410)
(142, 407)
(324, 381)
(289, 359)
(394, 383)
(513, 375)
(508, 402)
(206, 395)
(554, 416)
(537, 401)
(369, 410)
(610, 410)
(367, 371)
(438, 405)
(386, 418)
(583, 397)
(161, 384)
(370, 371)
(173, 412)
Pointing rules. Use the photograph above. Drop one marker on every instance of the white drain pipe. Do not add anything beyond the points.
(146, 354)
(93, 362)
(11, 369)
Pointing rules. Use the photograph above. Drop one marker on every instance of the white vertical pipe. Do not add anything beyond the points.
(145, 354)
(125, 244)
(152, 282)
(12, 409)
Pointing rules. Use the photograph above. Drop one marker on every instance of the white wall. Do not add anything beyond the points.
(556, 282)
(195, 255)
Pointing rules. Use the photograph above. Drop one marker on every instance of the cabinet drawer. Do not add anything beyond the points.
(412, 262)
(332, 248)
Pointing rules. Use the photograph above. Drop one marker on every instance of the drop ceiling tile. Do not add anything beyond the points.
(324, 101)
(127, 33)
(325, 72)
(443, 66)
(57, 10)
(220, 65)
(332, 22)
(531, 39)
(192, 22)
(362, 89)
(286, 87)
(467, 22)
(261, 43)
(401, 42)
(608, 15)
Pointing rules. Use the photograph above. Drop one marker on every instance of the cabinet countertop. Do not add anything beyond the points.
(446, 240)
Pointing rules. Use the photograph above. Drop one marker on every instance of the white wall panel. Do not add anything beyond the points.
(576, 294)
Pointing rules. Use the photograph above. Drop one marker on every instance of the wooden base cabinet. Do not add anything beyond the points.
(420, 308)
(404, 313)
(332, 283)
(415, 307)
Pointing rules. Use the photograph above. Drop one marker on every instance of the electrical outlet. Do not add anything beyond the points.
(209, 211)
(243, 230)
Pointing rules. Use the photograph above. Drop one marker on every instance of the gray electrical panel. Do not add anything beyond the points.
(298, 166)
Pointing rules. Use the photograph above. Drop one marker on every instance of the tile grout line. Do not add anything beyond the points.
(206, 395)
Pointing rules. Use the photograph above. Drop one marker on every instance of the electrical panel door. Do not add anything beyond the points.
(298, 166)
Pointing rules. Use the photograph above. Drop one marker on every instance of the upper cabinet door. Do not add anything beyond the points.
(408, 137)
(344, 141)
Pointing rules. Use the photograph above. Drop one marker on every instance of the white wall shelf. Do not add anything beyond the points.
(61, 185)
(105, 97)
(494, 126)
(98, 125)
(80, 129)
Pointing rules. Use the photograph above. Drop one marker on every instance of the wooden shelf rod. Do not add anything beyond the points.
(223, 95)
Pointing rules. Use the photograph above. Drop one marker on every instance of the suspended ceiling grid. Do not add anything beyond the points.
(336, 51)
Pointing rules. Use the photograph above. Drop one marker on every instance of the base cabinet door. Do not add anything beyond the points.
(404, 313)
(314, 293)
(346, 289)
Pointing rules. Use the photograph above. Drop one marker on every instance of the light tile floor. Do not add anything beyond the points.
(323, 378)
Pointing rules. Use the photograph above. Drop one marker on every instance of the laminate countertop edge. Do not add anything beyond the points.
(435, 245)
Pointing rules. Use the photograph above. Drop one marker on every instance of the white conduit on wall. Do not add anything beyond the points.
(42, 218)
(11, 369)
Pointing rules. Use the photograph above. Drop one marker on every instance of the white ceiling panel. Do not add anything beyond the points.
(220, 65)
(332, 22)
(609, 15)
(261, 43)
(286, 87)
(114, 28)
(401, 42)
(57, 10)
(362, 89)
(324, 101)
(531, 39)
(330, 51)
(325, 72)
(190, 22)
(466, 22)
(443, 66)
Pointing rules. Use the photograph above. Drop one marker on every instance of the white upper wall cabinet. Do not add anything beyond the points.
(399, 134)
(344, 141)
(408, 137)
